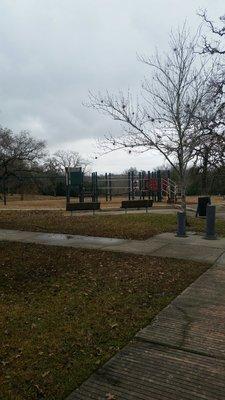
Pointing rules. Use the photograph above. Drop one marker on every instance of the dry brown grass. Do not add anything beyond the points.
(127, 226)
(214, 199)
(47, 202)
(35, 202)
(130, 226)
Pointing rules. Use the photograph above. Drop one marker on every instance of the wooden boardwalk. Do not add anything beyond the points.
(180, 356)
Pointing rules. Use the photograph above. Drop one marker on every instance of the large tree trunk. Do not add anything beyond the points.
(183, 184)
(183, 198)
(183, 191)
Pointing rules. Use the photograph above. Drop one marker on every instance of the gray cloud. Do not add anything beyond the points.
(53, 51)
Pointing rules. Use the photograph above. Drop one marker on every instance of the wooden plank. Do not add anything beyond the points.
(179, 356)
(145, 371)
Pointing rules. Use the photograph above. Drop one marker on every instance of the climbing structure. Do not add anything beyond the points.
(133, 185)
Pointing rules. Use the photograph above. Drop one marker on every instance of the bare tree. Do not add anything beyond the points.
(216, 46)
(210, 123)
(210, 158)
(211, 151)
(165, 120)
(18, 152)
(67, 158)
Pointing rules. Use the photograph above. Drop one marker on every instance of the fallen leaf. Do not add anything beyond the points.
(114, 325)
(110, 396)
(45, 374)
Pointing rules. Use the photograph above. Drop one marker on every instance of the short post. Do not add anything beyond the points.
(148, 185)
(210, 233)
(159, 185)
(139, 183)
(181, 224)
(110, 186)
(129, 186)
(67, 185)
(143, 185)
(96, 187)
(132, 185)
(106, 187)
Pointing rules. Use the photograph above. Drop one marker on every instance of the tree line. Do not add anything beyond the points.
(27, 167)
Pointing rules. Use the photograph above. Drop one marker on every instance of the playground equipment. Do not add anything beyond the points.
(169, 189)
(133, 185)
(75, 181)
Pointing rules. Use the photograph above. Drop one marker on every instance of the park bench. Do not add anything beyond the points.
(136, 204)
(83, 206)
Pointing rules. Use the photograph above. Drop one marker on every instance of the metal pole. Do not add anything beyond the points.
(96, 187)
(139, 179)
(92, 187)
(142, 184)
(67, 185)
(181, 224)
(129, 185)
(81, 189)
(106, 185)
(132, 184)
(110, 187)
(155, 180)
(210, 233)
(149, 177)
(159, 194)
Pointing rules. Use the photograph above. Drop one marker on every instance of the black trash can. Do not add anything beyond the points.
(202, 204)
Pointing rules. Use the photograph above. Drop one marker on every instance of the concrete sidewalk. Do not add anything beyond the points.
(193, 247)
(179, 356)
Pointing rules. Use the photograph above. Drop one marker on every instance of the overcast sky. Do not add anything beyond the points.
(53, 51)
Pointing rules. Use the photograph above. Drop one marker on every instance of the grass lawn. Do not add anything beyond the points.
(64, 312)
(130, 226)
